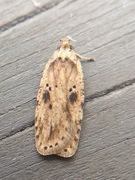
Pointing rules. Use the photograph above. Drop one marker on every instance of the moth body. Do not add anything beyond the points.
(60, 100)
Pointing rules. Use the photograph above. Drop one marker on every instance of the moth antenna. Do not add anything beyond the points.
(69, 37)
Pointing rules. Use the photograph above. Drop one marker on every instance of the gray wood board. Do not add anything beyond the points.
(104, 30)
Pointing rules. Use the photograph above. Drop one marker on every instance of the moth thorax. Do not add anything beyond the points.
(64, 55)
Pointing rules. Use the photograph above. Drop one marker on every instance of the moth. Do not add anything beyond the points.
(60, 101)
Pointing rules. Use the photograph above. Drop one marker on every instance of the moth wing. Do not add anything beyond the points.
(52, 127)
(45, 114)
(59, 109)
(75, 101)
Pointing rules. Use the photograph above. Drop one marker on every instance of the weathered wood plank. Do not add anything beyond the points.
(106, 149)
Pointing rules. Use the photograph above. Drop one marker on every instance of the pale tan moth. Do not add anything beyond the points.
(60, 100)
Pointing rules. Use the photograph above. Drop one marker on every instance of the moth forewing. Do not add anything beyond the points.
(60, 100)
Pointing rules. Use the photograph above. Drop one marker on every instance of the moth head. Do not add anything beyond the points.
(65, 43)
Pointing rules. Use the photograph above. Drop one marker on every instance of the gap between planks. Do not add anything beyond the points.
(30, 15)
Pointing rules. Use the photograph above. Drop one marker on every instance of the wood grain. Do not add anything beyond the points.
(104, 30)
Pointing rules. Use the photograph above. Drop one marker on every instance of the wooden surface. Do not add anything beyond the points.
(30, 33)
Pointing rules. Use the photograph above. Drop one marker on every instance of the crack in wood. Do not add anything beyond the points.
(115, 144)
(18, 130)
(110, 90)
(29, 15)
(14, 108)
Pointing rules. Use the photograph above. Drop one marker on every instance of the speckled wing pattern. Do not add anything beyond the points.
(60, 100)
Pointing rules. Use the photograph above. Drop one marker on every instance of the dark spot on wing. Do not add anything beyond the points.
(71, 146)
(70, 89)
(65, 150)
(56, 144)
(41, 127)
(37, 136)
(50, 146)
(45, 148)
(59, 58)
(73, 97)
(50, 89)
(62, 138)
(50, 106)
(76, 139)
(78, 131)
(46, 96)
